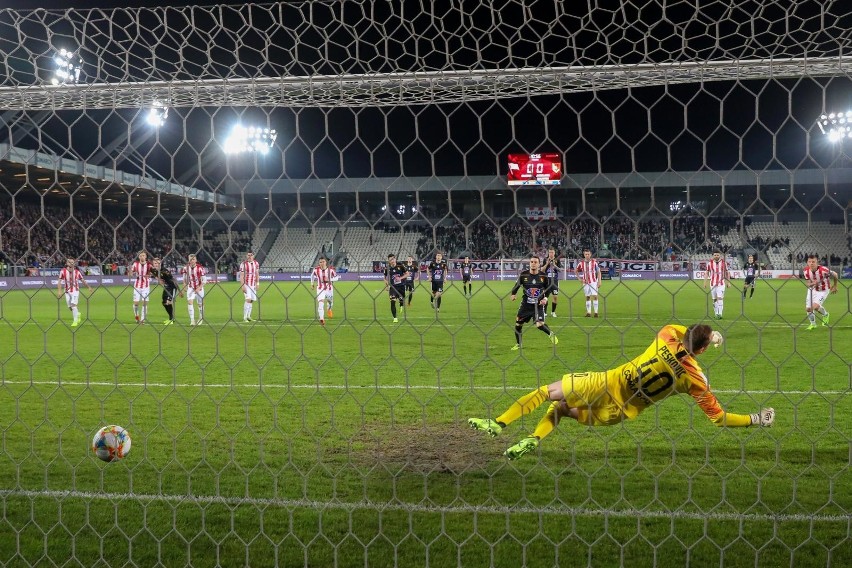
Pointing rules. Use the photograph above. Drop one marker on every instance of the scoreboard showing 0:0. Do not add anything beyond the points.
(535, 169)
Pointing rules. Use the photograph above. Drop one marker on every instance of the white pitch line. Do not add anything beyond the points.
(397, 506)
(320, 386)
(426, 319)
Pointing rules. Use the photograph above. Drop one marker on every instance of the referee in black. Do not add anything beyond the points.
(170, 288)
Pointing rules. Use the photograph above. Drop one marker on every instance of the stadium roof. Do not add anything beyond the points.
(49, 173)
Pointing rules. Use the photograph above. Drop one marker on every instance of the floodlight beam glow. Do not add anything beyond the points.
(252, 139)
(836, 125)
(68, 67)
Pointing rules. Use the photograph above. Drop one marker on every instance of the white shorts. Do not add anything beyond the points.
(816, 297)
(141, 294)
(323, 295)
(192, 294)
(71, 298)
(717, 291)
(250, 292)
(590, 289)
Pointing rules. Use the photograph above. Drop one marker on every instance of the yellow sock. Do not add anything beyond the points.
(548, 423)
(524, 405)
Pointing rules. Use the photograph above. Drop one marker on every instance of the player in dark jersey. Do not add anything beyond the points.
(412, 279)
(752, 273)
(170, 288)
(536, 286)
(437, 275)
(466, 270)
(395, 275)
(551, 268)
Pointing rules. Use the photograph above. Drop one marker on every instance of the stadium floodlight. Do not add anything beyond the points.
(158, 114)
(68, 66)
(256, 139)
(836, 125)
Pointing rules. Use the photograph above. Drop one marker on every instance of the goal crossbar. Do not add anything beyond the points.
(392, 89)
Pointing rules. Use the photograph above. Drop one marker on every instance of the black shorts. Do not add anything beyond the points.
(169, 295)
(527, 312)
(554, 291)
(437, 287)
(465, 279)
(397, 292)
(749, 280)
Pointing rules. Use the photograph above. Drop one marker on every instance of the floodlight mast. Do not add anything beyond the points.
(68, 67)
(836, 125)
(158, 114)
(250, 139)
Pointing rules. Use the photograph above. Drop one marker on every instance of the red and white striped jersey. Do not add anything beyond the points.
(142, 272)
(323, 277)
(194, 276)
(717, 270)
(250, 272)
(588, 271)
(820, 278)
(71, 278)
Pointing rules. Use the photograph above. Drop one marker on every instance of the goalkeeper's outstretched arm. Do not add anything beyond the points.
(708, 402)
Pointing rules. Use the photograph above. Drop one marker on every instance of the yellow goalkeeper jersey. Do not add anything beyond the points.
(664, 369)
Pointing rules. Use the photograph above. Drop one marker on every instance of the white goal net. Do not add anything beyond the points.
(284, 415)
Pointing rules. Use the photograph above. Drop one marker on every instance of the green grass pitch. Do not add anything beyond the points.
(284, 443)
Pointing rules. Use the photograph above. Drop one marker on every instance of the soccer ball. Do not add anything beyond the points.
(111, 443)
(716, 339)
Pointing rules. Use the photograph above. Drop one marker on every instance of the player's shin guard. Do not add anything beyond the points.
(549, 422)
(588, 306)
(75, 313)
(595, 305)
(143, 312)
(190, 309)
(518, 328)
(439, 301)
(320, 310)
(545, 329)
(393, 308)
(812, 317)
(200, 311)
(751, 293)
(524, 405)
(170, 310)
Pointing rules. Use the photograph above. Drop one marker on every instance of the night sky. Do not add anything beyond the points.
(716, 126)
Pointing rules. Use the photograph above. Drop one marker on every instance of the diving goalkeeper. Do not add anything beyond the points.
(667, 367)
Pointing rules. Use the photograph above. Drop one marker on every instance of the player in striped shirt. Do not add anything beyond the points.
(140, 273)
(69, 280)
(193, 285)
(322, 278)
(589, 273)
(667, 367)
(249, 278)
(821, 282)
(717, 274)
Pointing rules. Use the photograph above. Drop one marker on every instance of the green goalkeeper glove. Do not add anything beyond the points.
(765, 417)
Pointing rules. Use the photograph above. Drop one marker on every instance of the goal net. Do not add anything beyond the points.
(282, 415)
